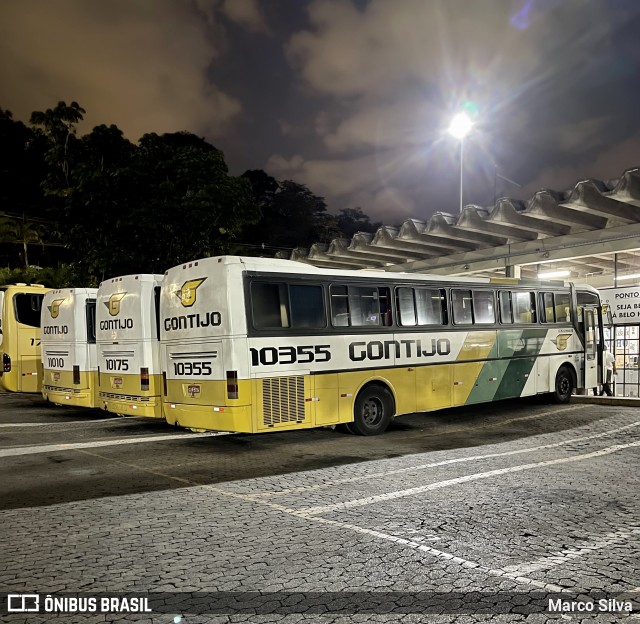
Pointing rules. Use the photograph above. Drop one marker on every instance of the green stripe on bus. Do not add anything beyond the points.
(506, 378)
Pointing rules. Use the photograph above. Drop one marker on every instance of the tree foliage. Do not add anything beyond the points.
(101, 206)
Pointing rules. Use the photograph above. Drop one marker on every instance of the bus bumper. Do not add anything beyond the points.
(151, 408)
(207, 418)
(68, 396)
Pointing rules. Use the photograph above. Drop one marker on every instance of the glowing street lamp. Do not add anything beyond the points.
(459, 127)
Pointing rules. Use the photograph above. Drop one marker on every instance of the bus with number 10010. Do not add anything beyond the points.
(257, 345)
(69, 347)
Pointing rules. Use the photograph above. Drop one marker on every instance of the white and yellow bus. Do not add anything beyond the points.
(129, 372)
(69, 347)
(21, 369)
(257, 345)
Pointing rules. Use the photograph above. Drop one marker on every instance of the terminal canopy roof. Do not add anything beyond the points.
(576, 230)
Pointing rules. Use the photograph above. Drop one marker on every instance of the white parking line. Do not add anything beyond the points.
(386, 473)
(440, 554)
(53, 448)
(369, 500)
(62, 422)
(560, 557)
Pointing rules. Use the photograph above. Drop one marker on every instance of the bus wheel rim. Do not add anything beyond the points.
(563, 385)
(372, 411)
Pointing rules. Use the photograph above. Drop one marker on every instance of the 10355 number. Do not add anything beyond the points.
(192, 368)
(268, 356)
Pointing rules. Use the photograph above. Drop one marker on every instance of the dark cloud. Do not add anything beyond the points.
(351, 97)
(142, 65)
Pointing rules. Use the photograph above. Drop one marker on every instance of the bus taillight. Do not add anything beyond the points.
(144, 379)
(232, 384)
(6, 363)
(76, 375)
(164, 383)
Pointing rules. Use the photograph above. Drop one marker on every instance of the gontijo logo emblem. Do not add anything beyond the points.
(113, 305)
(187, 293)
(54, 308)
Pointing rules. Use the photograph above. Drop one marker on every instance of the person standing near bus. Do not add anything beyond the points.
(609, 362)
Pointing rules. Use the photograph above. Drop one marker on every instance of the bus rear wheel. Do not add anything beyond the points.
(372, 411)
(563, 386)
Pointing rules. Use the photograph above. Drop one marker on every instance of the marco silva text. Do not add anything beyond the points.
(604, 605)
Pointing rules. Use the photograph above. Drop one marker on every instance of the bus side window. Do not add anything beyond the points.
(504, 301)
(91, 320)
(156, 299)
(563, 307)
(406, 307)
(386, 315)
(269, 304)
(339, 306)
(548, 308)
(461, 304)
(429, 306)
(27, 308)
(364, 305)
(524, 304)
(483, 307)
(307, 306)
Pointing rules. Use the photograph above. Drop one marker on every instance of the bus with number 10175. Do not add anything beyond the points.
(128, 338)
(257, 345)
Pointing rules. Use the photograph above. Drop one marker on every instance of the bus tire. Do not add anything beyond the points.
(372, 411)
(344, 428)
(563, 386)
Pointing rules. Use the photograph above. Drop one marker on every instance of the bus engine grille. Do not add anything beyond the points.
(283, 400)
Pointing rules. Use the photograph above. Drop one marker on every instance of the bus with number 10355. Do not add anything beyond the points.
(257, 345)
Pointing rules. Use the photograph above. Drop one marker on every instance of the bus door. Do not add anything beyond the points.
(590, 348)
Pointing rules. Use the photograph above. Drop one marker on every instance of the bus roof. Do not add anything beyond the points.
(277, 265)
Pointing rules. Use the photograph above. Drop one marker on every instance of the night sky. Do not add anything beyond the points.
(351, 97)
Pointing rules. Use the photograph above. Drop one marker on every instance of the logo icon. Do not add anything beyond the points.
(113, 305)
(54, 308)
(187, 293)
(21, 603)
(561, 341)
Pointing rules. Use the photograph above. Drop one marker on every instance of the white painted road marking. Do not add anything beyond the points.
(369, 500)
(54, 448)
(446, 462)
(559, 557)
(440, 554)
(62, 422)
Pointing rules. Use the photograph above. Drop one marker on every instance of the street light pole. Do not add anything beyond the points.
(459, 127)
(461, 172)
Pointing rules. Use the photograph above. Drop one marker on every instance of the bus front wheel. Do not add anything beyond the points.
(563, 386)
(372, 411)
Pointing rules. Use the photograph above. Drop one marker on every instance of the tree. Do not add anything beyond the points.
(59, 126)
(20, 231)
(352, 220)
(292, 215)
(148, 207)
(22, 168)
